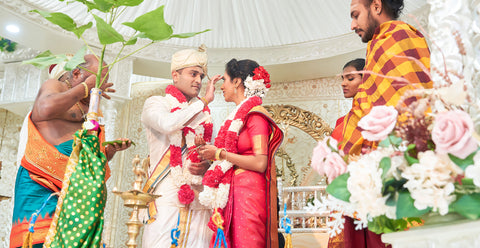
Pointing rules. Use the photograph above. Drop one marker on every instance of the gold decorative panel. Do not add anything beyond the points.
(293, 156)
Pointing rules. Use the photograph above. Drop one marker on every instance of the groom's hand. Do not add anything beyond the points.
(210, 91)
(199, 169)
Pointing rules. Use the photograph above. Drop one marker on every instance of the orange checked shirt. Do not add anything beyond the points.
(386, 55)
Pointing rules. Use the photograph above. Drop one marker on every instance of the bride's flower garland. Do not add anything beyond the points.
(180, 173)
(217, 179)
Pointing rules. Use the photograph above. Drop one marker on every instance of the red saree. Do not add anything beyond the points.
(251, 211)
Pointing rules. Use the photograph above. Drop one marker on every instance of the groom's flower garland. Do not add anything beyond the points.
(218, 177)
(181, 175)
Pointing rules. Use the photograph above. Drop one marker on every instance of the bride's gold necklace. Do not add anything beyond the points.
(78, 104)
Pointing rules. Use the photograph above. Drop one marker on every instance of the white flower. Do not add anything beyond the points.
(254, 87)
(430, 182)
(177, 173)
(221, 198)
(207, 196)
(365, 185)
(360, 224)
(189, 177)
(235, 125)
(337, 209)
(190, 139)
(336, 223)
(473, 171)
(225, 165)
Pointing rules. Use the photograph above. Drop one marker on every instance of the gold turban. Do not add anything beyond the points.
(56, 71)
(190, 57)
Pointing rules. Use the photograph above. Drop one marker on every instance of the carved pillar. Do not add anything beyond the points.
(116, 126)
(475, 40)
(450, 21)
(454, 28)
(10, 124)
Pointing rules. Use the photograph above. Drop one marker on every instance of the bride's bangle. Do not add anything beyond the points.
(217, 153)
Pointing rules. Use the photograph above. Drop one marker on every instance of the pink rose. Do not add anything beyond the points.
(334, 166)
(320, 152)
(452, 133)
(378, 123)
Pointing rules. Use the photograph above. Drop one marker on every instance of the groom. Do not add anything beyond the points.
(172, 122)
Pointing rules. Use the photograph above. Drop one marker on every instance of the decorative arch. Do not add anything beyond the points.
(304, 120)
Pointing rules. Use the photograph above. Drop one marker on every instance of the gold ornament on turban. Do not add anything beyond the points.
(190, 57)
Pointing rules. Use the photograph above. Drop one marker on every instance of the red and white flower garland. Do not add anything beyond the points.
(180, 173)
(258, 84)
(217, 179)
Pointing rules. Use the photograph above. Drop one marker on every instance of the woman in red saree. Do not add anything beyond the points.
(351, 237)
(247, 143)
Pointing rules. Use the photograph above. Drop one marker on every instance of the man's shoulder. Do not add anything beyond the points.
(155, 99)
(400, 30)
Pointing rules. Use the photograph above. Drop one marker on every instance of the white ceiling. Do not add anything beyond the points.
(294, 39)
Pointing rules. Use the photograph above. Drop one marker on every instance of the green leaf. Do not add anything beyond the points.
(46, 59)
(80, 30)
(103, 5)
(47, 53)
(463, 163)
(188, 35)
(64, 21)
(382, 224)
(124, 2)
(391, 140)
(385, 165)
(152, 25)
(100, 5)
(338, 187)
(467, 181)
(391, 186)
(391, 201)
(468, 206)
(408, 155)
(106, 33)
(132, 41)
(76, 60)
(60, 19)
(405, 207)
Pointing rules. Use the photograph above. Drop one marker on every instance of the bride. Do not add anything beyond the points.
(240, 186)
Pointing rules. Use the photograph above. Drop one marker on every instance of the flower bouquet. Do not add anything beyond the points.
(426, 163)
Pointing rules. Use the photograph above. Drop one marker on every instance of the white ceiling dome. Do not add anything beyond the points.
(294, 39)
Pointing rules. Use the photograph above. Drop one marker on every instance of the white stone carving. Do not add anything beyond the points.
(20, 53)
(10, 124)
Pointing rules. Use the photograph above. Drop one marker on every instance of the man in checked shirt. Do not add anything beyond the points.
(390, 42)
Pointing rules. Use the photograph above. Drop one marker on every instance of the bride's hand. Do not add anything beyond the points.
(210, 91)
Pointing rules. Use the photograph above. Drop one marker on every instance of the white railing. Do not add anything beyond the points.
(296, 199)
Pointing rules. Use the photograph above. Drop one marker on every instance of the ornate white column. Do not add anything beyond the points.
(120, 77)
(454, 29)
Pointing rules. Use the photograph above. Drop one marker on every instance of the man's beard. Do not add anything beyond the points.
(371, 26)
